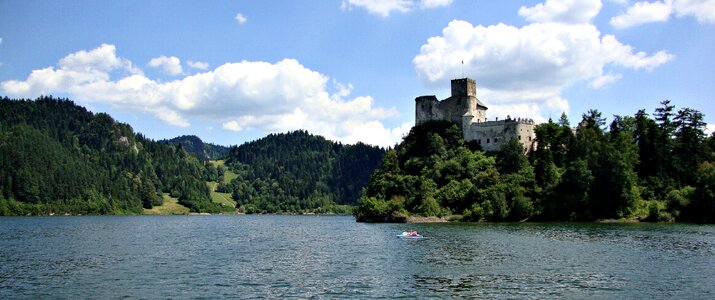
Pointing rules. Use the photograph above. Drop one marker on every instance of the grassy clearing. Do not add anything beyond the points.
(223, 198)
(228, 175)
(171, 206)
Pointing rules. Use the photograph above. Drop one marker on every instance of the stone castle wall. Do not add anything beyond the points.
(491, 135)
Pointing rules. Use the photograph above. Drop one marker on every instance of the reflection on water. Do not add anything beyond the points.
(518, 285)
(334, 257)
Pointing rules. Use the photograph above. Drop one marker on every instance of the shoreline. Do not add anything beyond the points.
(418, 220)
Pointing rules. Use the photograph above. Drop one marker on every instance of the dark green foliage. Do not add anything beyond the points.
(203, 151)
(701, 205)
(60, 158)
(298, 171)
(510, 158)
(653, 169)
(434, 173)
(373, 210)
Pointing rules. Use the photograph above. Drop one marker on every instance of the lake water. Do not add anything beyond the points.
(335, 257)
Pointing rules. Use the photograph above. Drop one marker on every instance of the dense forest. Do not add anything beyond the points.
(298, 171)
(58, 157)
(659, 168)
(203, 151)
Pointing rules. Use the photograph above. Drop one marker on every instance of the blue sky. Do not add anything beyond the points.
(234, 71)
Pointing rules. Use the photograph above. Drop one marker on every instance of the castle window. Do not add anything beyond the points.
(529, 139)
(479, 141)
(487, 141)
(520, 138)
(496, 140)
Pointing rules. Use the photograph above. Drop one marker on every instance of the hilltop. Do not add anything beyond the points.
(194, 144)
(60, 158)
(298, 171)
(636, 168)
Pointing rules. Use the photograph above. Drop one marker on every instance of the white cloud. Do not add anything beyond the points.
(434, 3)
(100, 60)
(709, 129)
(532, 64)
(375, 133)
(169, 65)
(242, 96)
(82, 68)
(171, 117)
(383, 8)
(232, 125)
(604, 80)
(197, 64)
(660, 11)
(240, 18)
(642, 12)
(703, 10)
(562, 11)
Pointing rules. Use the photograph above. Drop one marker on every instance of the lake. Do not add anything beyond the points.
(260, 256)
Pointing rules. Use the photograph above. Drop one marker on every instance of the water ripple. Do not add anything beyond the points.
(334, 257)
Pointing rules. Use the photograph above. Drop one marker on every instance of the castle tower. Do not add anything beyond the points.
(464, 87)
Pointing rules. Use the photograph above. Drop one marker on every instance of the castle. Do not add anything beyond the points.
(465, 109)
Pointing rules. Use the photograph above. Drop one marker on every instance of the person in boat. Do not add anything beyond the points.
(413, 233)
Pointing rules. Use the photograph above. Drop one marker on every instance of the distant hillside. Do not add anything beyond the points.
(203, 151)
(57, 157)
(298, 171)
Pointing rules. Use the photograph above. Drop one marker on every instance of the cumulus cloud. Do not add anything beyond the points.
(642, 12)
(562, 11)
(383, 8)
(702, 10)
(519, 67)
(197, 65)
(660, 11)
(240, 18)
(168, 65)
(82, 68)
(241, 96)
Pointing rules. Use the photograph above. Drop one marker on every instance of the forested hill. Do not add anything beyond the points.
(58, 157)
(299, 171)
(659, 168)
(203, 151)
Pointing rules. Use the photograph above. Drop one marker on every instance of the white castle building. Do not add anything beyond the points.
(465, 109)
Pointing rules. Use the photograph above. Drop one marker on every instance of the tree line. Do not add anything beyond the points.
(58, 157)
(298, 171)
(658, 168)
